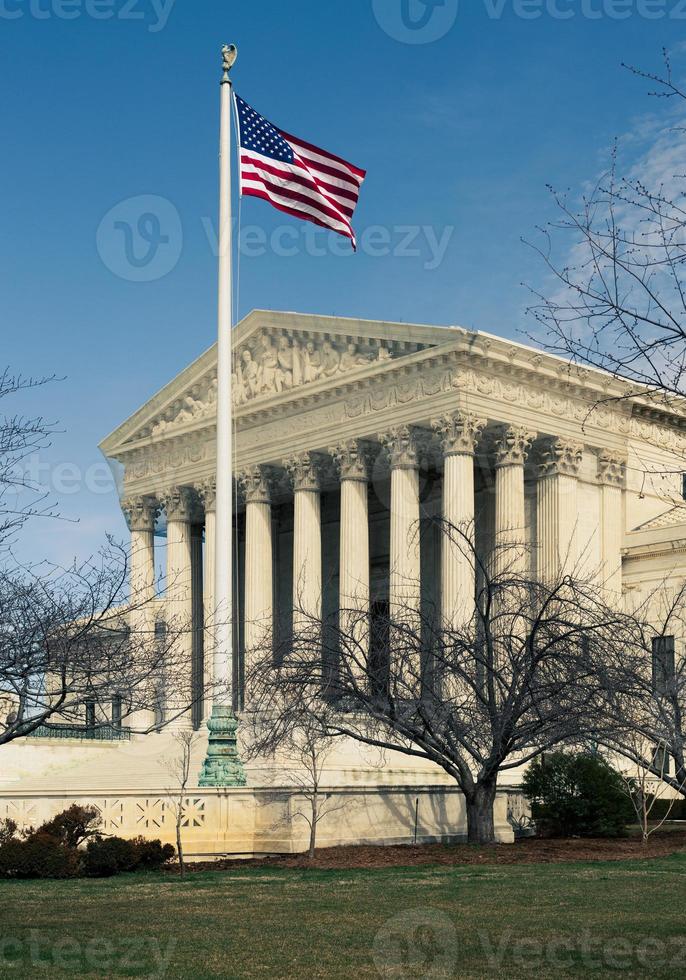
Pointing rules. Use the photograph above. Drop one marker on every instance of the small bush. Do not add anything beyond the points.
(666, 809)
(577, 795)
(8, 831)
(55, 850)
(73, 826)
(152, 854)
(106, 856)
(39, 856)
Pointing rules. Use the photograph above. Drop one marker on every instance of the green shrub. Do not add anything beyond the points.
(73, 826)
(577, 795)
(55, 850)
(8, 831)
(39, 856)
(106, 856)
(665, 808)
(152, 854)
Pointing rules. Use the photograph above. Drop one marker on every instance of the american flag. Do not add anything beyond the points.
(295, 176)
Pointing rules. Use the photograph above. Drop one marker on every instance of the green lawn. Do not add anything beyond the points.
(526, 920)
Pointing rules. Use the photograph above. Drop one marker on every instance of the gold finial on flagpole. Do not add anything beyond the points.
(229, 55)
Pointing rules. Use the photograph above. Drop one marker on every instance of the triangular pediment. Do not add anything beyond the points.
(276, 355)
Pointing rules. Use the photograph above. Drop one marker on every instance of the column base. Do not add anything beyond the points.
(222, 765)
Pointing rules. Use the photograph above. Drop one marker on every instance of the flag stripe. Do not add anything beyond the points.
(297, 212)
(342, 199)
(296, 141)
(307, 201)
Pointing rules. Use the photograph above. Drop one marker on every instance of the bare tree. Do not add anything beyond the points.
(476, 698)
(20, 436)
(619, 300)
(640, 689)
(303, 748)
(645, 785)
(74, 641)
(67, 652)
(180, 768)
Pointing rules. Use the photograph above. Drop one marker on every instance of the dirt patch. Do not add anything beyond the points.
(527, 851)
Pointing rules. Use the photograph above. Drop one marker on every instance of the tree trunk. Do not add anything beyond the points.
(313, 830)
(179, 848)
(480, 825)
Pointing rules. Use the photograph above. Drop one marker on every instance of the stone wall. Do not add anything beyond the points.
(248, 822)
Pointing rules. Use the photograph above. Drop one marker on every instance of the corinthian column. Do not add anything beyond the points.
(141, 513)
(178, 504)
(258, 563)
(612, 478)
(511, 450)
(307, 542)
(458, 433)
(404, 571)
(354, 556)
(557, 510)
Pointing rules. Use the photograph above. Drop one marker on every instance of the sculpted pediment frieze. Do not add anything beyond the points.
(273, 363)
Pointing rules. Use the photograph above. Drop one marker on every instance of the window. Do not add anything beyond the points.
(116, 711)
(663, 663)
(90, 714)
(683, 485)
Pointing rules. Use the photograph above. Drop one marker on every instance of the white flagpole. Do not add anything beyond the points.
(222, 766)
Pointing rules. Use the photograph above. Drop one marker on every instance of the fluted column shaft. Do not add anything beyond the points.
(141, 514)
(307, 543)
(557, 509)
(512, 447)
(259, 610)
(404, 571)
(179, 594)
(612, 478)
(354, 558)
(458, 433)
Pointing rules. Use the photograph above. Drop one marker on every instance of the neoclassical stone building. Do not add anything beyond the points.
(349, 434)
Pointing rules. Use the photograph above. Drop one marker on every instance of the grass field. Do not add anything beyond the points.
(602, 918)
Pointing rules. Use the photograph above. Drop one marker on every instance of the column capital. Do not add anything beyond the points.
(255, 483)
(304, 471)
(512, 444)
(458, 433)
(141, 513)
(207, 491)
(560, 457)
(611, 468)
(402, 447)
(179, 504)
(352, 461)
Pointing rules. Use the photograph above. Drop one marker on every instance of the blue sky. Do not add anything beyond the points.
(105, 101)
